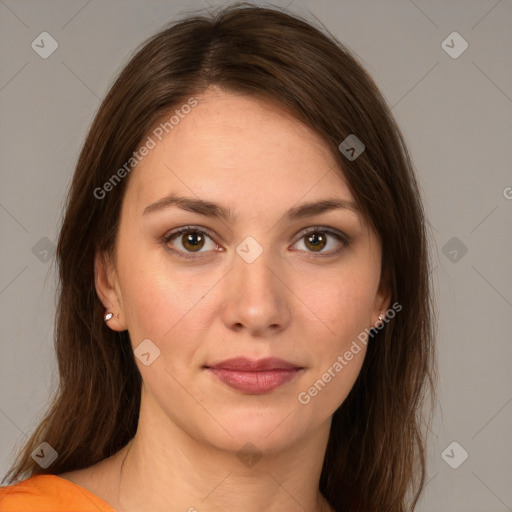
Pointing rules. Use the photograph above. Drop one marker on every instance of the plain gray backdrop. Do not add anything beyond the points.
(454, 107)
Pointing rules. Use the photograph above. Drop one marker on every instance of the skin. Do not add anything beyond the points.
(252, 157)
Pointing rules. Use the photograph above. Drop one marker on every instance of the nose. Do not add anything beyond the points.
(256, 297)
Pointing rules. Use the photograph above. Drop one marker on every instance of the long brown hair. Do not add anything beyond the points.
(375, 458)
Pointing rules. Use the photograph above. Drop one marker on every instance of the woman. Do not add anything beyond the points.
(245, 317)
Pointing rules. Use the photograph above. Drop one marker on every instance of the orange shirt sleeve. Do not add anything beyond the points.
(49, 493)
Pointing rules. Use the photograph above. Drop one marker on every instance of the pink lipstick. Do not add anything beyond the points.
(254, 377)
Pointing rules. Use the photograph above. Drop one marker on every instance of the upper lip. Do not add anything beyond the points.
(255, 365)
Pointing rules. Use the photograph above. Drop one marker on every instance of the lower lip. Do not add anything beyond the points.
(255, 383)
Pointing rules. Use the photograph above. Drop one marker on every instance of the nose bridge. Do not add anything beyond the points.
(256, 298)
(252, 265)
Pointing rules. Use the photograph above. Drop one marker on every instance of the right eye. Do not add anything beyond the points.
(188, 240)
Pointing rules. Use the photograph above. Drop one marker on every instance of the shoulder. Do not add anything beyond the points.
(44, 493)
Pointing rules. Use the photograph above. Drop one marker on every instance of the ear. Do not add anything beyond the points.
(382, 300)
(107, 288)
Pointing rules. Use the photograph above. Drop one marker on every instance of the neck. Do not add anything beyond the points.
(175, 471)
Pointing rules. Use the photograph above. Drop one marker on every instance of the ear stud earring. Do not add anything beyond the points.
(109, 315)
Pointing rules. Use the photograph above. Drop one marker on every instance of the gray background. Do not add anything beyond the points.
(455, 113)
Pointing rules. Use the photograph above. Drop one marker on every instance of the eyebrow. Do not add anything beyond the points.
(211, 209)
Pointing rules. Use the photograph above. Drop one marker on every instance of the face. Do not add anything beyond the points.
(269, 279)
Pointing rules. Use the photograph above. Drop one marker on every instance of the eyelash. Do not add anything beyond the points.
(341, 237)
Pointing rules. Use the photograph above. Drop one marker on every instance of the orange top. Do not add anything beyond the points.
(49, 493)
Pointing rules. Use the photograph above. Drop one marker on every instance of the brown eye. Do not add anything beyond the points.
(320, 242)
(193, 241)
(189, 241)
(316, 241)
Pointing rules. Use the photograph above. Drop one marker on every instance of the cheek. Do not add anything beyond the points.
(342, 305)
(164, 304)
(153, 300)
(334, 371)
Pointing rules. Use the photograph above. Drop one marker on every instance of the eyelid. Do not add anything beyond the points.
(186, 229)
(323, 229)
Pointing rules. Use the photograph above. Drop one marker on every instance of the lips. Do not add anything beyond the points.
(254, 365)
(254, 376)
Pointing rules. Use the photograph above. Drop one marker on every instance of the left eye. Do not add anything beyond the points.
(315, 240)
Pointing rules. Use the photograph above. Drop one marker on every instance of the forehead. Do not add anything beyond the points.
(239, 150)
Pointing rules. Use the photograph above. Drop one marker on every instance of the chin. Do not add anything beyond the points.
(268, 431)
